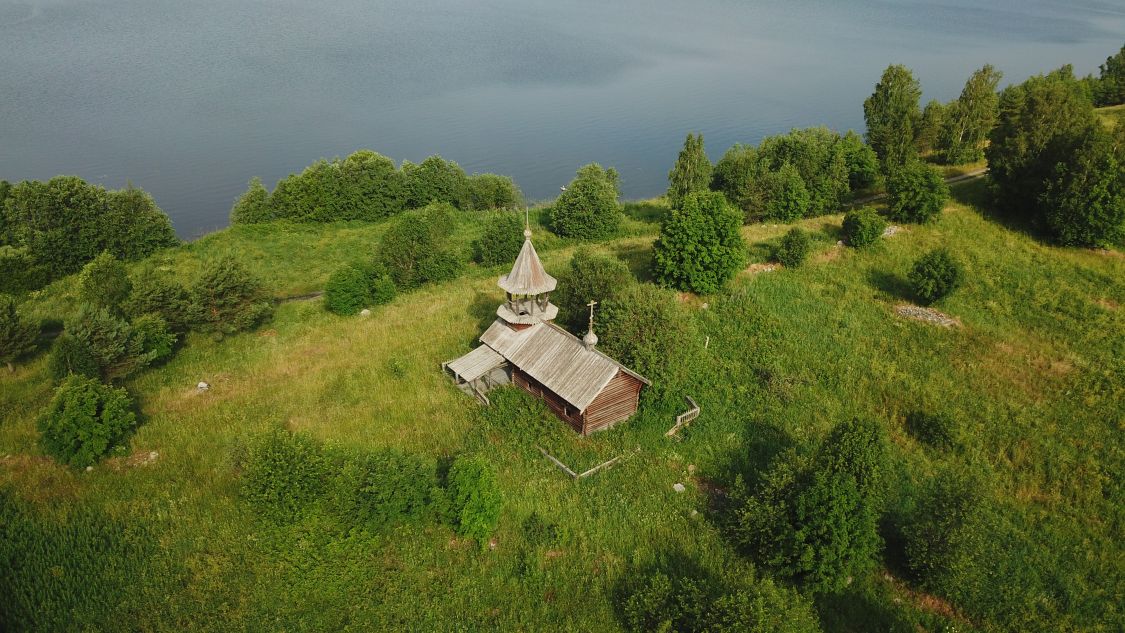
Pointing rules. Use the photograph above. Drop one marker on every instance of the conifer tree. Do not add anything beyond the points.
(691, 173)
(16, 336)
(891, 113)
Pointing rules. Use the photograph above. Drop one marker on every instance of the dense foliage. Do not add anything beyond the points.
(946, 540)
(501, 240)
(929, 126)
(891, 113)
(104, 283)
(762, 181)
(226, 298)
(863, 227)
(283, 472)
(969, 119)
(1083, 199)
(813, 518)
(475, 499)
(589, 277)
(691, 173)
(1109, 88)
(17, 337)
(70, 355)
(915, 193)
(416, 250)
(348, 290)
(119, 348)
(793, 248)
(700, 245)
(935, 275)
(84, 421)
(588, 208)
(676, 601)
(382, 488)
(65, 222)
(367, 186)
(648, 330)
(153, 292)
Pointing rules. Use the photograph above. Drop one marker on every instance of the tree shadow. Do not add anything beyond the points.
(483, 310)
(763, 251)
(858, 611)
(979, 195)
(638, 258)
(676, 564)
(891, 285)
(645, 211)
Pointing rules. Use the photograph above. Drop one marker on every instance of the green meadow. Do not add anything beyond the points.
(157, 537)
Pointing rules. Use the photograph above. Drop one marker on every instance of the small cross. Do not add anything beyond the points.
(591, 306)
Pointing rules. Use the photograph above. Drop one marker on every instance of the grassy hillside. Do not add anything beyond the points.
(1035, 373)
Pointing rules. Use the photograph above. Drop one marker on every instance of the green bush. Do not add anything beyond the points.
(935, 275)
(946, 541)
(916, 193)
(862, 164)
(501, 240)
(435, 180)
(104, 283)
(863, 227)
(627, 324)
(156, 341)
(1083, 199)
(700, 245)
(691, 173)
(154, 293)
(253, 205)
(475, 498)
(118, 350)
(938, 430)
(17, 337)
(589, 277)
(383, 290)
(283, 473)
(415, 249)
(65, 222)
(787, 199)
(71, 356)
(588, 209)
(85, 420)
(489, 191)
(226, 299)
(348, 290)
(820, 159)
(793, 248)
(382, 488)
(19, 272)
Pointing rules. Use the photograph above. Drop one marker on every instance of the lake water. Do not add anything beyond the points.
(189, 99)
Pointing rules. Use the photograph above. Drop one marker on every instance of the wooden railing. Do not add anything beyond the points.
(684, 418)
(576, 476)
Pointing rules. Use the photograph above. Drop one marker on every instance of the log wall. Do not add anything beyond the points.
(614, 404)
(557, 405)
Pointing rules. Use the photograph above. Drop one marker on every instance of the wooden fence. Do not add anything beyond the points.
(576, 476)
(684, 418)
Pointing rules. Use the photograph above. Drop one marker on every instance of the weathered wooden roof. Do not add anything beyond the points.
(476, 363)
(557, 359)
(527, 276)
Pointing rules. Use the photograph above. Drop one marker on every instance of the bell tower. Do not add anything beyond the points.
(527, 289)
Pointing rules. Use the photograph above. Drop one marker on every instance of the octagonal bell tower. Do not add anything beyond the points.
(527, 289)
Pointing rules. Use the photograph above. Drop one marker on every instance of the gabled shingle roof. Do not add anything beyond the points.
(557, 359)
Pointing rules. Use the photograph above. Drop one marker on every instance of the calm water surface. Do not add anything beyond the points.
(188, 99)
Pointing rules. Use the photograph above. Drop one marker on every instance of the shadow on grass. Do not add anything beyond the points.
(979, 195)
(761, 252)
(645, 211)
(859, 611)
(483, 310)
(638, 257)
(891, 285)
(677, 566)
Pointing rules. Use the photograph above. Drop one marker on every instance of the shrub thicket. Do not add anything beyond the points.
(691, 173)
(117, 347)
(819, 157)
(17, 337)
(253, 205)
(490, 191)
(814, 519)
(862, 164)
(382, 488)
(104, 283)
(946, 539)
(283, 473)
(589, 277)
(588, 208)
(348, 290)
(863, 227)
(787, 199)
(157, 341)
(938, 430)
(475, 498)
(71, 356)
(226, 299)
(738, 176)
(154, 293)
(85, 420)
(793, 248)
(1083, 199)
(700, 245)
(935, 275)
(435, 181)
(19, 271)
(65, 222)
(415, 249)
(916, 193)
(649, 330)
(501, 240)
